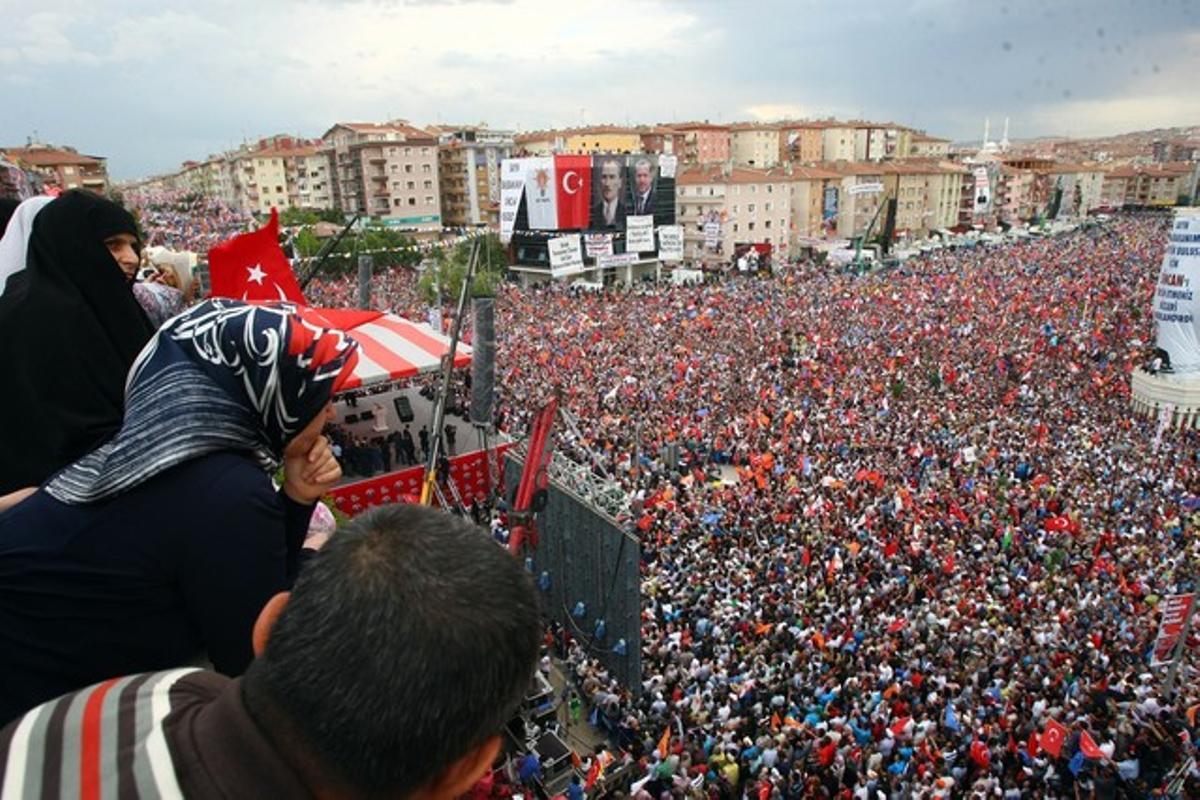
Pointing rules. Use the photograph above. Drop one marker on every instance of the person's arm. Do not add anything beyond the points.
(243, 552)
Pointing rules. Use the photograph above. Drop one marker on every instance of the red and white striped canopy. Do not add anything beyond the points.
(390, 347)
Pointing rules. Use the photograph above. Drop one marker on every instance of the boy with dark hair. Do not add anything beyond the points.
(389, 671)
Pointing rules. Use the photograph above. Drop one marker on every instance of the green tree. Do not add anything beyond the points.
(449, 268)
(298, 216)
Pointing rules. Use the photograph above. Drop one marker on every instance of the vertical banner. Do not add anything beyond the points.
(512, 183)
(643, 186)
(670, 243)
(667, 166)
(830, 209)
(983, 191)
(712, 232)
(574, 189)
(639, 234)
(610, 196)
(1175, 299)
(598, 244)
(565, 257)
(541, 194)
(1175, 612)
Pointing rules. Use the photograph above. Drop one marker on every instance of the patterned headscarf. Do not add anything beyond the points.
(224, 375)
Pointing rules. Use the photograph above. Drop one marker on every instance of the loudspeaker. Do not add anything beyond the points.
(403, 408)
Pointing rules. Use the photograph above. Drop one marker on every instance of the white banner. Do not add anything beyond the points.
(541, 194)
(712, 234)
(598, 244)
(565, 257)
(618, 260)
(670, 243)
(666, 166)
(983, 191)
(1175, 298)
(866, 188)
(512, 183)
(639, 233)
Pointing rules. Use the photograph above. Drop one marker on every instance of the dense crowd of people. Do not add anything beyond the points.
(901, 534)
(892, 527)
(188, 222)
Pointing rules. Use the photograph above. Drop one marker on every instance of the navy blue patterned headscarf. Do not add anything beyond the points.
(225, 375)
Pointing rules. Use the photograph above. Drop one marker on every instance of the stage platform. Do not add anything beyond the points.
(1167, 395)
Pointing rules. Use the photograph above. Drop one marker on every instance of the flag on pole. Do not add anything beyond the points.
(252, 266)
(1087, 746)
(664, 744)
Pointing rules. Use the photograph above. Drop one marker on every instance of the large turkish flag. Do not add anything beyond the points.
(574, 178)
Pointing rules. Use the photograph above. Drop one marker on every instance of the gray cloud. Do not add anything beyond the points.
(152, 83)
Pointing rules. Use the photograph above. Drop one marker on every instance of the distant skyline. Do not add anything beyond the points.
(151, 83)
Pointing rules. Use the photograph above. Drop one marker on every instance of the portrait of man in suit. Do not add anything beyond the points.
(643, 187)
(609, 209)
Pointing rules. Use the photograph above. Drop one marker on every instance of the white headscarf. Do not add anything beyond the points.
(15, 243)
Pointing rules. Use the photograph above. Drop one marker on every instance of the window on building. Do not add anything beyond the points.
(426, 168)
(395, 184)
(735, 227)
(767, 224)
(735, 208)
(428, 184)
(279, 189)
(767, 206)
(428, 200)
(412, 185)
(753, 189)
(408, 151)
(770, 189)
(412, 201)
(424, 151)
(396, 202)
(408, 167)
(749, 226)
(750, 208)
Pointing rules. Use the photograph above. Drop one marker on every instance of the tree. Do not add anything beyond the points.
(449, 268)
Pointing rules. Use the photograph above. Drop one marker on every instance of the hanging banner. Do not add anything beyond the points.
(1175, 612)
(983, 192)
(830, 209)
(574, 189)
(712, 234)
(639, 234)
(667, 165)
(512, 183)
(1175, 299)
(866, 188)
(670, 243)
(598, 244)
(565, 257)
(618, 260)
(541, 194)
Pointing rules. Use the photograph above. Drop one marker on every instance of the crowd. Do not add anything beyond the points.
(187, 222)
(892, 527)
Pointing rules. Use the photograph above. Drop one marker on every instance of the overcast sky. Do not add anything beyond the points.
(151, 83)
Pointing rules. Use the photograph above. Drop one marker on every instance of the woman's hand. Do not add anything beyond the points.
(308, 476)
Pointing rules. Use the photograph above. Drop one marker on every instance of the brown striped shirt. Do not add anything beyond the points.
(182, 733)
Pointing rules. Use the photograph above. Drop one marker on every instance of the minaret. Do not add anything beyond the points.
(1004, 141)
(986, 128)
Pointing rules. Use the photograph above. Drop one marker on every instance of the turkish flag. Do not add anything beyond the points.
(252, 266)
(574, 178)
(1088, 746)
(1053, 737)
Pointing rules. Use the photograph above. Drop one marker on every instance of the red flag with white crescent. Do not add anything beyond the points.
(1053, 738)
(252, 266)
(574, 177)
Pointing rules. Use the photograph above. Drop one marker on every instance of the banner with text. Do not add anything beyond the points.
(598, 244)
(618, 260)
(639, 234)
(512, 184)
(670, 243)
(565, 256)
(1175, 304)
(1175, 612)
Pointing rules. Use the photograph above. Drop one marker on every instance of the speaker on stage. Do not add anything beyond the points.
(404, 408)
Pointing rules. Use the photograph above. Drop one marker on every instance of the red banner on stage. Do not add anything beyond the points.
(469, 472)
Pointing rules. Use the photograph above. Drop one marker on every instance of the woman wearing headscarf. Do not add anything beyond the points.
(69, 330)
(162, 545)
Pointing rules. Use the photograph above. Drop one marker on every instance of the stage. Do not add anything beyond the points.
(1168, 397)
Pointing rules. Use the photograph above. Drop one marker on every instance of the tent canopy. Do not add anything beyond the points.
(390, 347)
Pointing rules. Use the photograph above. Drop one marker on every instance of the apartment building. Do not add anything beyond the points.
(753, 207)
(802, 142)
(309, 170)
(753, 144)
(387, 170)
(469, 161)
(662, 139)
(61, 166)
(703, 143)
(837, 142)
(922, 145)
(260, 180)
